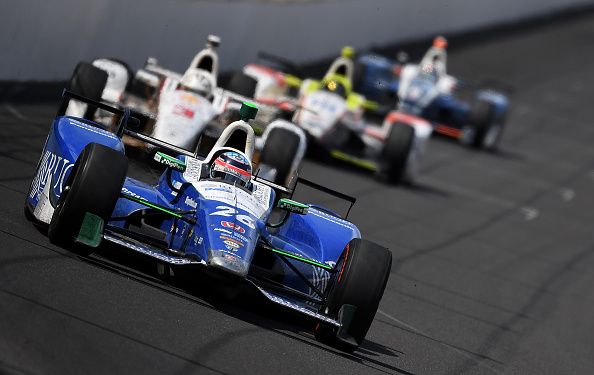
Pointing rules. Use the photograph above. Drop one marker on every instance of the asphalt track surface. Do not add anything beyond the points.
(493, 253)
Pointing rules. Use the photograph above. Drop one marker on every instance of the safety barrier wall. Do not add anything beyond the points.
(42, 40)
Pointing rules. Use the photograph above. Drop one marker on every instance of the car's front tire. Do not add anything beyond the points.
(363, 271)
(93, 186)
(486, 127)
(396, 151)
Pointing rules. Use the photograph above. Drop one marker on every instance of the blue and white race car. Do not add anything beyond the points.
(211, 215)
(475, 115)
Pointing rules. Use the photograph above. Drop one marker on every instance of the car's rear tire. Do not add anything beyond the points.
(93, 186)
(88, 81)
(487, 127)
(279, 151)
(363, 271)
(208, 138)
(396, 151)
(243, 85)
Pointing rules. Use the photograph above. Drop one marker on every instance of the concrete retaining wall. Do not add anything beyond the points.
(42, 40)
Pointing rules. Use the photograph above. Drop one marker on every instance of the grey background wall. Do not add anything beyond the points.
(42, 40)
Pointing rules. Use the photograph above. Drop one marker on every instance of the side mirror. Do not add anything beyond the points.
(292, 206)
(170, 162)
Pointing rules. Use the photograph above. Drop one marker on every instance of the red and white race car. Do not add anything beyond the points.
(185, 110)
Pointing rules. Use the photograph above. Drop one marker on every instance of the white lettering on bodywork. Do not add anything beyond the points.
(50, 165)
(44, 210)
(233, 196)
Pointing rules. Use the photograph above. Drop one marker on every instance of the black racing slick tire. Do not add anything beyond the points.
(208, 138)
(243, 85)
(93, 186)
(279, 151)
(88, 81)
(363, 272)
(487, 129)
(397, 148)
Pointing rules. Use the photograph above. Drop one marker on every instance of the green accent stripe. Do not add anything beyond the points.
(151, 205)
(171, 158)
(354, 160)
(302, 259)
(294, 203)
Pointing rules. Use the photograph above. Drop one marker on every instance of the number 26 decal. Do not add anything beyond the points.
(229, 211)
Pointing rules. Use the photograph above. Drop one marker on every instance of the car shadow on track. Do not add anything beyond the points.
(423, 188)
(237, 301)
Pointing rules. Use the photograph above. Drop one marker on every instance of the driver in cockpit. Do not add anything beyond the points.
(435, 59)
(197, 82)
(232, 167)
(336, 87)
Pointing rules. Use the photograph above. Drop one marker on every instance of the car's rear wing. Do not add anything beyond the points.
(286, 65)
(327, 190)
(289, 191)
(125, 118)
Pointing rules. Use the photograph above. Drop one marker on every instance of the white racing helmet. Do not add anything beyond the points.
(199, 81)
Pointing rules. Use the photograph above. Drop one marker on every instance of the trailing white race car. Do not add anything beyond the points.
(185, 110)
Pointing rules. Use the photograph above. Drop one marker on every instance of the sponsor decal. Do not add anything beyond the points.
(235, 156)
(227, 238)
(170, 162)
(262, 194)
(237, 228)
(180, 110)
(219, 188)
(191, 202)
(193, 170)
(51, 165)
(190, 98)
(229, 212)
(240, 237)
(232, 196)
(233, 235)
(198, 240)
(231, 245)
(131, 193)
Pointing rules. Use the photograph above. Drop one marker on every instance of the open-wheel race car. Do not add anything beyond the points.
(174, 108)
(210, 215)
(332, 115)
(473, 113)
(184, 110)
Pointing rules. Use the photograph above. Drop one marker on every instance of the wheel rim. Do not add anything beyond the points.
(492, 136)
(468, 134)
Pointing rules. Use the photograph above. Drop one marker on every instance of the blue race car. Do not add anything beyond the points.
(474, 115)
(210, 215)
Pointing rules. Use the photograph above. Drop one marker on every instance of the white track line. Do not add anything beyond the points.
(15, 112)
(530, 213)
(468, 356)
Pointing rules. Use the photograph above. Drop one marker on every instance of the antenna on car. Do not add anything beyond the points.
(248, 111)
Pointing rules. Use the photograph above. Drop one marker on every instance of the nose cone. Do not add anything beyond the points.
(228, 261)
